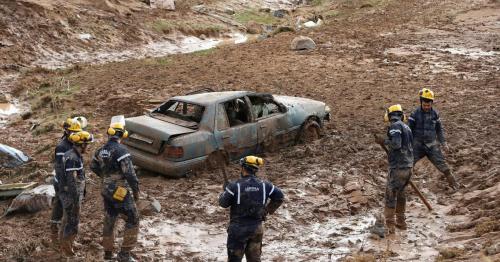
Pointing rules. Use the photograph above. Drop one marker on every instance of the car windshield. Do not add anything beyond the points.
(189, 114)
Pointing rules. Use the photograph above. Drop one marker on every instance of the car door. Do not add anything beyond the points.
(237, 140)
(271, 122)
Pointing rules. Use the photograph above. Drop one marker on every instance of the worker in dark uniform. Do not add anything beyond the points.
(70, 126)
(250, 200)
(120, 191)
(71, 188)
(400, 155)
(428, 135)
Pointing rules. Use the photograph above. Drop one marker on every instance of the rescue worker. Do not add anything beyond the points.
(71, 188)
(70, 126)
(120, 191)
(428, 135)
(250, 200)
(400, 155)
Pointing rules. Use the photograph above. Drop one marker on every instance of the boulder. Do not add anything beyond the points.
(32, 200)
(357, 197)
(253, 27)
(302, 43)
(229, 11)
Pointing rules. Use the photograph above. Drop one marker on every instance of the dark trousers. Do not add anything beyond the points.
(244, 240)
(71, 219)
(128, 209)
(433, 153)
(57, 209)
(397, 181)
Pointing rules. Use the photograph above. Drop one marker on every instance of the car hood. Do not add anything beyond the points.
(308, 105)
(155, 128)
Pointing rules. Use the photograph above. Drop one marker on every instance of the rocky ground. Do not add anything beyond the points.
(370, 54)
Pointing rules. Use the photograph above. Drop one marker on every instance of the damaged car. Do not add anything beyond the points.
(205, 128)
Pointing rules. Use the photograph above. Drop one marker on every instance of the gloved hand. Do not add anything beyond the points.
(225, 185)
(136, 196)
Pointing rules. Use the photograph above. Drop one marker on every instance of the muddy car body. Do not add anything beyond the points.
(193, 131)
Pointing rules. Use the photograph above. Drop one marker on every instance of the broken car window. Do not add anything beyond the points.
(263, 107)
(181, 110)
(237, 112)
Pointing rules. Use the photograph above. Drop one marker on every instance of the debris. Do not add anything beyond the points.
(32, 200)
(310, 24)
(377, 229)
(280, 13)
(302, 43)
(5, 43)
(12, 190)
(162, 4)
(11, 157)
(85, 36)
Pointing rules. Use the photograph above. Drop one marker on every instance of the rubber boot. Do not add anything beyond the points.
(400, 215)
(108, 255)
(129, 241)
(54, 235)
(107, 244)
(452, 182)
(389, 220)
(125, 256)
(67, 246)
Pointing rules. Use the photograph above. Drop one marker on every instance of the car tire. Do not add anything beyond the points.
(309, 132)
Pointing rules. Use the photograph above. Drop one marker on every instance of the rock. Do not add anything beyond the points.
(5, 43)
(26, 114)
(253, 27)
(356, 197)
(85, 36)
(148, 207)
(493, 249)
(229, 11)
(162, 4)
(302, 43)
(32, 200)
(351, 186)
(280, 13)
(265, 10)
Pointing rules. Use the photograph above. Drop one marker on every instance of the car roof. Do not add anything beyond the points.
(211, 97)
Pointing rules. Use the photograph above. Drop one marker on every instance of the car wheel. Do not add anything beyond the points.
(310, 131)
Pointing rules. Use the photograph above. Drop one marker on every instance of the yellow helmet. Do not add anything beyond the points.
(73, 125)
(392, 109)
(81, 137)
(252, 162)
(115, 128)
(426, 93)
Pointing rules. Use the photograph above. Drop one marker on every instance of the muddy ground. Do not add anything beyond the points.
(370, 54)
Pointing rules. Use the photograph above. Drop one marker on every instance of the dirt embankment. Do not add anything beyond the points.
(367, 58)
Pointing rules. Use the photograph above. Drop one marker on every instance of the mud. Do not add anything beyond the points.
(367, 59)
